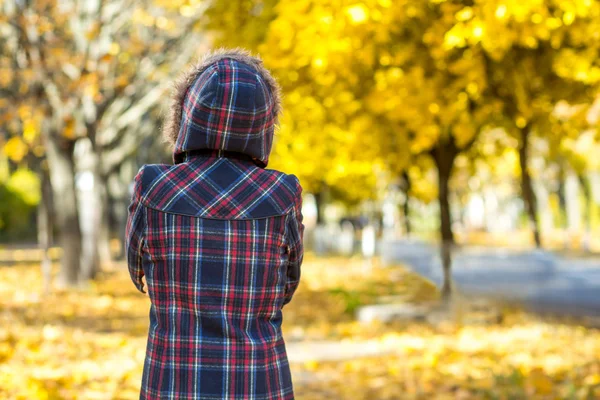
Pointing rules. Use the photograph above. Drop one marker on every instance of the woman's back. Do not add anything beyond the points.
(219, 240)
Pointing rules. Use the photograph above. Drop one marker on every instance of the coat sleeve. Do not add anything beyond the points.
(295, 232)
(134, 233)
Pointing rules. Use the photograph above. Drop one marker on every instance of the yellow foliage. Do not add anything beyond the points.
(27, 184)
(15, 149)
(30, 130)
(83, 56)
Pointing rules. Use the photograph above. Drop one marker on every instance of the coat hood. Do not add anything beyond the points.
(227, 101)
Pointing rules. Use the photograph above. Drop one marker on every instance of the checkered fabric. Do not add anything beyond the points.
(228, 107)
(219, 240)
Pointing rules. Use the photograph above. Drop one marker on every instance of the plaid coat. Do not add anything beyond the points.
(219, 240)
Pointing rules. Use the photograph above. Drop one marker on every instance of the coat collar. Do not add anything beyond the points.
(195, 154)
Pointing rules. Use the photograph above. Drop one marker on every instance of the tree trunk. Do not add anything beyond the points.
(44, 227)
(562, 198)
(446, 252)
(444, 155)
(96, 245)
(447, 234)
(444, 170)
(562, 206)
(587, 196)
(104, 253)
(62, 177)
(406, 186)
(117, 205)
(89, 236)
(527, 187)
(319, 202)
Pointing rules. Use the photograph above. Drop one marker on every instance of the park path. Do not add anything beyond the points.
(539, 281)
(326, 350)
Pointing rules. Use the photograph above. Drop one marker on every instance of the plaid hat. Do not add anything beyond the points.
(228, 102)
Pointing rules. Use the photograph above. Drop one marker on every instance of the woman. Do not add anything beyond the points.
(218, 238)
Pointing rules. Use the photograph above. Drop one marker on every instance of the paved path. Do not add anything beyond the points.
(538, 280)
(326, 350)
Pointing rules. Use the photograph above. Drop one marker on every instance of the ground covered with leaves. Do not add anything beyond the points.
(90, 343)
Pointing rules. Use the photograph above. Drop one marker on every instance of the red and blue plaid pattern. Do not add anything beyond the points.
(219, 241)
(228, 107)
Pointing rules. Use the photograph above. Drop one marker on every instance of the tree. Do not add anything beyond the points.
(92, 70)
(373, 84)
(537, 53)
(387, 82)
(572, 138)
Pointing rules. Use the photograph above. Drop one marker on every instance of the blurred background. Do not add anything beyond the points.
(448, 152)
